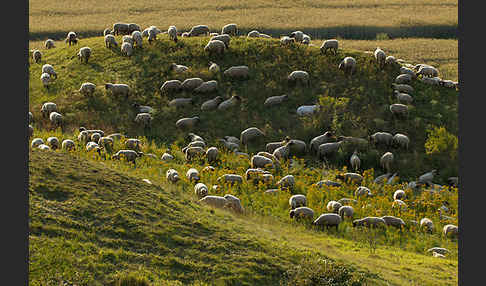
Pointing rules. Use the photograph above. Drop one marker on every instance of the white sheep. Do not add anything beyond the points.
(213, 67)
(297, 35)
(212, 154)
(172, 32)
(333, 206)
(237, 72)
(427, 71)
(380, 57)
(327, 149)
(286, 40)
(386, 160)
(299, 76)
(275, 100)
(450, 230)
(362, 191)
(331, 44)
(214, 201)
(326, 137)
(348, 65)
(71, 38)
(405, 88)
(234, 203)
(132, 27)
(49, 44)
(68, 144)
(36, 56)
(84, 54)
(143, 118)
(126, 49)
(107, 31)
(250, 134)
(384, 138)
(296, 201)
(87, 88)
(110, 41)
(328, 220)
(95, 137)
(401, 140)
(172, 176)
(225, 38)
(207, 87)
(56, 118)
(198, 30)
(47, 68)
(345, 211)
(230, 178)
(118, 89)
(187, 123)
(191, 83)
(427, 224)
(350, 177)
(369, 222)
(211, 104)
(44, 147)
(193, 175)
(167, 157)
(178, 68)
(302, 213)
(390, 60)
(403, 97)
(137, 38)
(230, 29)
(306, 39)
(307, 110)
(46, 80)
(201, 190)
(53, 142)
(253, 34)
(120, 28)
(403, 79)
(152, 35)
(393, 221)
(36, 142)
(399, 195)
(355, 161)
(287, 182)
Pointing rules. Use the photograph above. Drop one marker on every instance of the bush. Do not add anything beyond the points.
(439, 141)
(131, 280)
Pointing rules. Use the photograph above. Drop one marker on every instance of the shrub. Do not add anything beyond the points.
(440, 141)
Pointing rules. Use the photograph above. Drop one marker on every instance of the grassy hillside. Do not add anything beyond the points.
(94, 223)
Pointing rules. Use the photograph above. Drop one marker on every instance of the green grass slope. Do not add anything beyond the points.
(94, 223)
(352, 106)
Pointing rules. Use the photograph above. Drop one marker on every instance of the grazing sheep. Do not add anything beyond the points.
(143, 118)
(198, 30)
(390, 60)
(369, 222)
(118, 89)
(438, 250)
(87, 88)
(178, 68)
(355, 161)
(258, 175)
(399, 109)
(275, 100)
(225, 38)
(409, 71)
(297, 148)
(193, 175)
(36, 56)
(71, 38)
(132, 27)
(383, 138)
(31, 131)
(405, 88)
(386, 160)
(297, 35)
(345, 211)
(362, 191)
(453, 181)
(68, 144)
(403, 79)
(327, 149)
(399, 195)
(331, 44)
(250, 134)
(229, 145)
(233, 101)
(253, 34)
(427, 224)
(230, 29)
(348, 65)
(121, 28)
(167, 157)
(270, 147)
(213, 67)
(333, 206)
(431, 80)
(214, 201)
(231, 179)
(106, 142)
(286, 40)
(328, 183)
(53, 142)
(448, 84)
(237, 72)
(171, 85)
(301, 213)
(126, 49)
(201, 190)
(215, 46)
(393, 221)
(212, 154)
(45, 79)
(133, 144)
(307, 110)
(152, 35)
(47, 68)
(328, 220)
(234, 203)
(196, 144)
(427, 178)
(314, 144)
(187, 123)
(258, 161)
(110, 41)
(84, 54)
(95, 137)
(232, 139)
(380, 57)
(287, 182)
(193, 152)
(137, 38)
(172, 32)
(49, 44)
(350, 177)
(403, 97)
(211, 104)
(450, 230)
(44, 147)
(298, 76)
(207, 87)
(427, 71)
(283, 152)
(93, 146)
(296, 201)
(401, 140)
(107, 31)
(56, 118)
(306, 39)
(172, 176)
(128, 39)
(399, 204)
(36, 142)
(191, 83)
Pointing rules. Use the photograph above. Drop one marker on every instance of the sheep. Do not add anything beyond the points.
(333, 206)
(362, 191)
(307, 110)
(71, 38)
(152, 35)
(126, 49)
(118, 89)
(250, 134)
(427, 178)
(128, 39)
(261, 35)
(399, 195)
(106, 142)
(212, 154)
(393, 221)
(107, 31)
(286, 40)
(56, 118)
(297, 35)
(431, 80)
(87, 88)
(232, 139)
(403, 97)
(270, 147)
(211, 104)
(44, 147)
(401, 140)
(196, 144)
(171, 85)
(167, 157)
(301, 213)
(230, 178)
(287, 182)
(253, 34)
(215, 46)
(213, 67)
(453, 181)
(355, 161)
(326, 137)
(386, 160)
(348, 65)
(178, 68)
(49, 44)
(380, 57)
(328, 220)
(399, 109)
(267, 155)
(31, 131)
(427, 224)
(193, 175)
(381, 138)
(405, 70)
(137, 38)
(172, 176)
(350, 177)
(121, 28)
(172, 32)
(133, 144)
(234, 72)
(403, 79)
(132, 27)
(401, 205)
(110, 41)
(258, 175)
(45, 79)
(187, 123)
(427, 71)
(225, 38)
(36, 56)
(328, 183)
(95, 137)
(207, 87)
(439, 250)
(93, 146)
(296, 201)
(233, 101)
(275, 100)
(194, 137)
(306, 39)
(143, 118)
(390, 60)
(191, 83)
(298, 76)
(68, 144)
(229, 145)
(448, 84)
(234, 203)
(331, 44)
(345, 211)
(53, 143)
(405, 88)
(230, 29)
(201, 190)
(327, 149)
(47, 68)
(283, 152)
(84, 54)
(369, 222)
(91, 131)
(36, 142)
(192, 152)
(214, 201)
(450, 230)
(198, 30)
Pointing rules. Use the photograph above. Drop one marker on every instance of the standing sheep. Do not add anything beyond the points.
(172, 32)
(399, 109)
(401, 140)
(450, 230)
(331, 44)
(193, 175)
(287, 182)
(327, 149)
(207, 87)
(369, 222)
(171, 85)
(296, 201)
(346, 211)
(201, 190)
(84, 54)
(87, 88)
(383, 138)
(36, 56)
(137, 38)
(285, 40)
(355, 161)
(399, 195)
(427, 224)
(380, 57)
(314, 144)
(191, 83)
(144, 119)
(126, 49)
(172, 176)
(178, 68)
(212, 154)
(46, 80)
(275, 100)
(49, 44)
(333, 206)
(211, 104)
(110, 41)
(215, 46)
(56, 119)
(298, 76)
(386, 160)
(121, 29)
(250, 134)
(393, 221)
(47, 68)
(229, 103)
(213, 67)
(241, 72)
(427, 178)
(36, 142)
(198, 30)
(348, 65)
(68, 144)
(53, 142)
(187, 123)
(71, 38)
(328, 220)
(230, 29)
(118, 89)
(225, 38)
(301, 213)
(297, 35)
(362, 191)
(231, 179)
